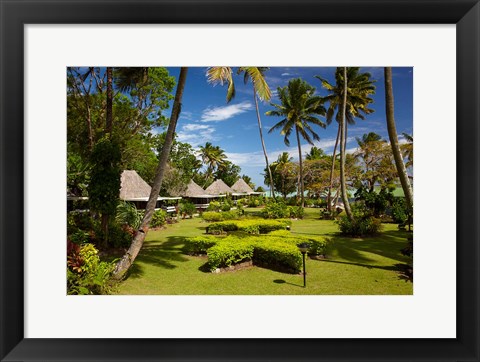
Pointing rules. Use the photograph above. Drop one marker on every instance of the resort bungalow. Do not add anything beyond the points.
(219, 189)
(198, 196)
(242, 189)
(134, 189)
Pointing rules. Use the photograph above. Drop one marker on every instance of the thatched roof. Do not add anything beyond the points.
(133, 186)
(242, 187)
(218, 187)
(193, 190)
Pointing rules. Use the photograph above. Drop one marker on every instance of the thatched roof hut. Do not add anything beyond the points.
(133, 187)
(242, 187)
(218, 187)
(193, 190)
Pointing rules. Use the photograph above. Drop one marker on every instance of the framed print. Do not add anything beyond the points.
(433, 44)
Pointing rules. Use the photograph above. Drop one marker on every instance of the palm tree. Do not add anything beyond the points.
(392, 135)
(359, 89)
(127, 260)
(261, 90)
(214, 157)
(343, 138)
(315, 154)
(300, 107)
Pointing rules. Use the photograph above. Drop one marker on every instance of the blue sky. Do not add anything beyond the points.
(206, 116)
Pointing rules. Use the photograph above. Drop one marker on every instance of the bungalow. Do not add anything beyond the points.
(198, 196)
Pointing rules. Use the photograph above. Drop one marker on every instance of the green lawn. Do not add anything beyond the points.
(352, 267)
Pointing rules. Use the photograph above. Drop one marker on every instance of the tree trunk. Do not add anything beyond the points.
(301, 167)
(346, 203)
(127, 260)
(392, 134)
(272, 189)
(109, 122)
(329, 195)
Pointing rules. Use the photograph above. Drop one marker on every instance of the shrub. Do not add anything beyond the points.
(86, 274)
(127, 214)
(278, 255)
(399, 210)
(213, 206)
(296, 212)
(275, 210)
(227, 253)
(159, 218)
(119, 236)
(200, 244)
(362, 225)
(250, 226)
(187, 208)
(79, 237)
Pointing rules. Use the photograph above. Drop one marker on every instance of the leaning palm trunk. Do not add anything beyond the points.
(272, 190)
(332, 170)
(392, 134)
(127, 260)
(300, 168)
(342, 149)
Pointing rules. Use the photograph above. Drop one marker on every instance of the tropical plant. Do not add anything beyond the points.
(261, 91)
(300, 107)
(359, 89)
(214, 157)
(392, 134)
(127, 260)
(127, 214)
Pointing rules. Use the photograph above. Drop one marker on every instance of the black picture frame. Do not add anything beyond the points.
(15, 14)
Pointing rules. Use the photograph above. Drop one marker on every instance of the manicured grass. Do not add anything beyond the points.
(353, 266)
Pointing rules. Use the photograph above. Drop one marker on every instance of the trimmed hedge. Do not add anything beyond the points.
(277, 251)
(227, 253)
(278, 255)
(200, 244)
(249, 226)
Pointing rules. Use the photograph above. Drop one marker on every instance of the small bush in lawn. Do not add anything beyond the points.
(200, 244)
(213, 206)
(296, 212)
(275, 210)
(86, 274)
(159, 219)
(362, 225)
(186, 208)
(226, 253)
(127, 214)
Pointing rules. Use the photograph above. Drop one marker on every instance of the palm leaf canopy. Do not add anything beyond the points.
(300, 107)
(222, 76)
(359, 88)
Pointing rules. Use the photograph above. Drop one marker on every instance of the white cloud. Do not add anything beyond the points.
(286, 74)
(196, 134)
(217, 114)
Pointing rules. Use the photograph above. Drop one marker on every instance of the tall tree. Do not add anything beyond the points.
(261, 91)
(392, 135)
(315, 154)
(300, 107)
(214, 157)
(360, 87)
(109, 118)
(343, 187)
(127, 260)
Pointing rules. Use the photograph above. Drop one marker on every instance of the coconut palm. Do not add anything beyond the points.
(300, 107)
(214, 157)
(392, 135)
(359, 89)
(261, 90)
(127, 260)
